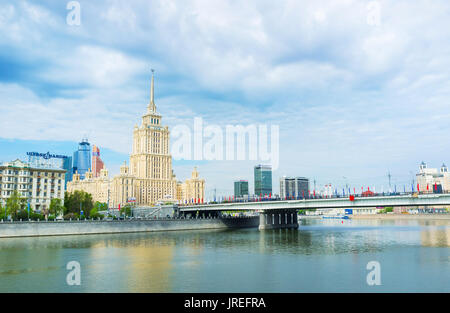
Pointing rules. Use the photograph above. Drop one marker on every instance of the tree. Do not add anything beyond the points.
(126, 210)
(15, 203)
(100, 206)
(94, 214)
(56, 207)
(77, 200)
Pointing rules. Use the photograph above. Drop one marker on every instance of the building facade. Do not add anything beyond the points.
(37, 185)
(263, 180)
(433, 179)
(97, 163)
(192, 190)
(240, 188)
(150, 160)
(123, 188)
(294, 187)
(149, 178)
(82, 158)
(98, 187)
(67, 166)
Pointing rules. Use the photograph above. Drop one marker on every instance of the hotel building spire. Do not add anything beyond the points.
(151, 105)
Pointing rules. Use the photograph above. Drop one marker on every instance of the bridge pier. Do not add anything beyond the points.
(278, 219)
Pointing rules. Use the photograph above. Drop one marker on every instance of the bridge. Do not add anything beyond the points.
(283, 213)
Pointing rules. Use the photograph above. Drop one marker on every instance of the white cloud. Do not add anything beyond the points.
(95, 67)
(349, 97)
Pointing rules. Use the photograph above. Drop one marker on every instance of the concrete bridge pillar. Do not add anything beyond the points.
(278, 219)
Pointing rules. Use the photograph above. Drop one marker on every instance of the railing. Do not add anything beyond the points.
(317, 197)
(20, 221)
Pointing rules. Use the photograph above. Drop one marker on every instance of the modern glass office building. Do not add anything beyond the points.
(240, 188)
(67, 165)
(82, 158)
(263, 180)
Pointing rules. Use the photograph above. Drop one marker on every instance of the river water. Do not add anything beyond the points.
(321, 256)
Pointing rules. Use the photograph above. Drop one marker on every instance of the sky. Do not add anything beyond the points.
(357, 88)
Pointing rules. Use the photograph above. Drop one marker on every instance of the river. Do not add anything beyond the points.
(321, 256)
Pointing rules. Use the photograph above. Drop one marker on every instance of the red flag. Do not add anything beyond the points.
(418, 187)
(427, 187)
(119, 207)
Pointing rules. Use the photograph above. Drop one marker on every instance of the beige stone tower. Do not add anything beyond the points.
(150, 160)
(192, 190)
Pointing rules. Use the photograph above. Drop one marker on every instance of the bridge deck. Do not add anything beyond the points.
(359, 202)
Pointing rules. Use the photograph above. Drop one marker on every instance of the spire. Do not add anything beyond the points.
(152, 106)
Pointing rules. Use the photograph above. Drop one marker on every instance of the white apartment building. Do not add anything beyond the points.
(37, 185)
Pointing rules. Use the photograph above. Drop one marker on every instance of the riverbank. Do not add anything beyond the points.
(401, 216)
(64, 228)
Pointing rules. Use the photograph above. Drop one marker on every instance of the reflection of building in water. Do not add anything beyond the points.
(146, 264)
(436, 237)
(150, 268)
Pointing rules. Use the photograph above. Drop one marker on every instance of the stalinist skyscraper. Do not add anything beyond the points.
(150, 160)
(149, 178)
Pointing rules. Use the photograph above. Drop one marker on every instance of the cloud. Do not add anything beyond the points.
(351, 98)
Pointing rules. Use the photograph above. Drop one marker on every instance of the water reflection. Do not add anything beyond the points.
(185, 261)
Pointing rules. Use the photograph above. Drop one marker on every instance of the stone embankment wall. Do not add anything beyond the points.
(60, 228)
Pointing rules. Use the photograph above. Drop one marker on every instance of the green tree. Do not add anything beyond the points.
(100, 206)
(14, 204)
(77, 200)
(94, 213)
(126, 210)
(56, 207)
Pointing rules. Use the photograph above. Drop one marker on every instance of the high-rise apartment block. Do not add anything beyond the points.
(263, 180)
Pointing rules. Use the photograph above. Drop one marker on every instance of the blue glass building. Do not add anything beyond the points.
(67, 165)
(82, 158)
(240, 188)
(263, 180)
